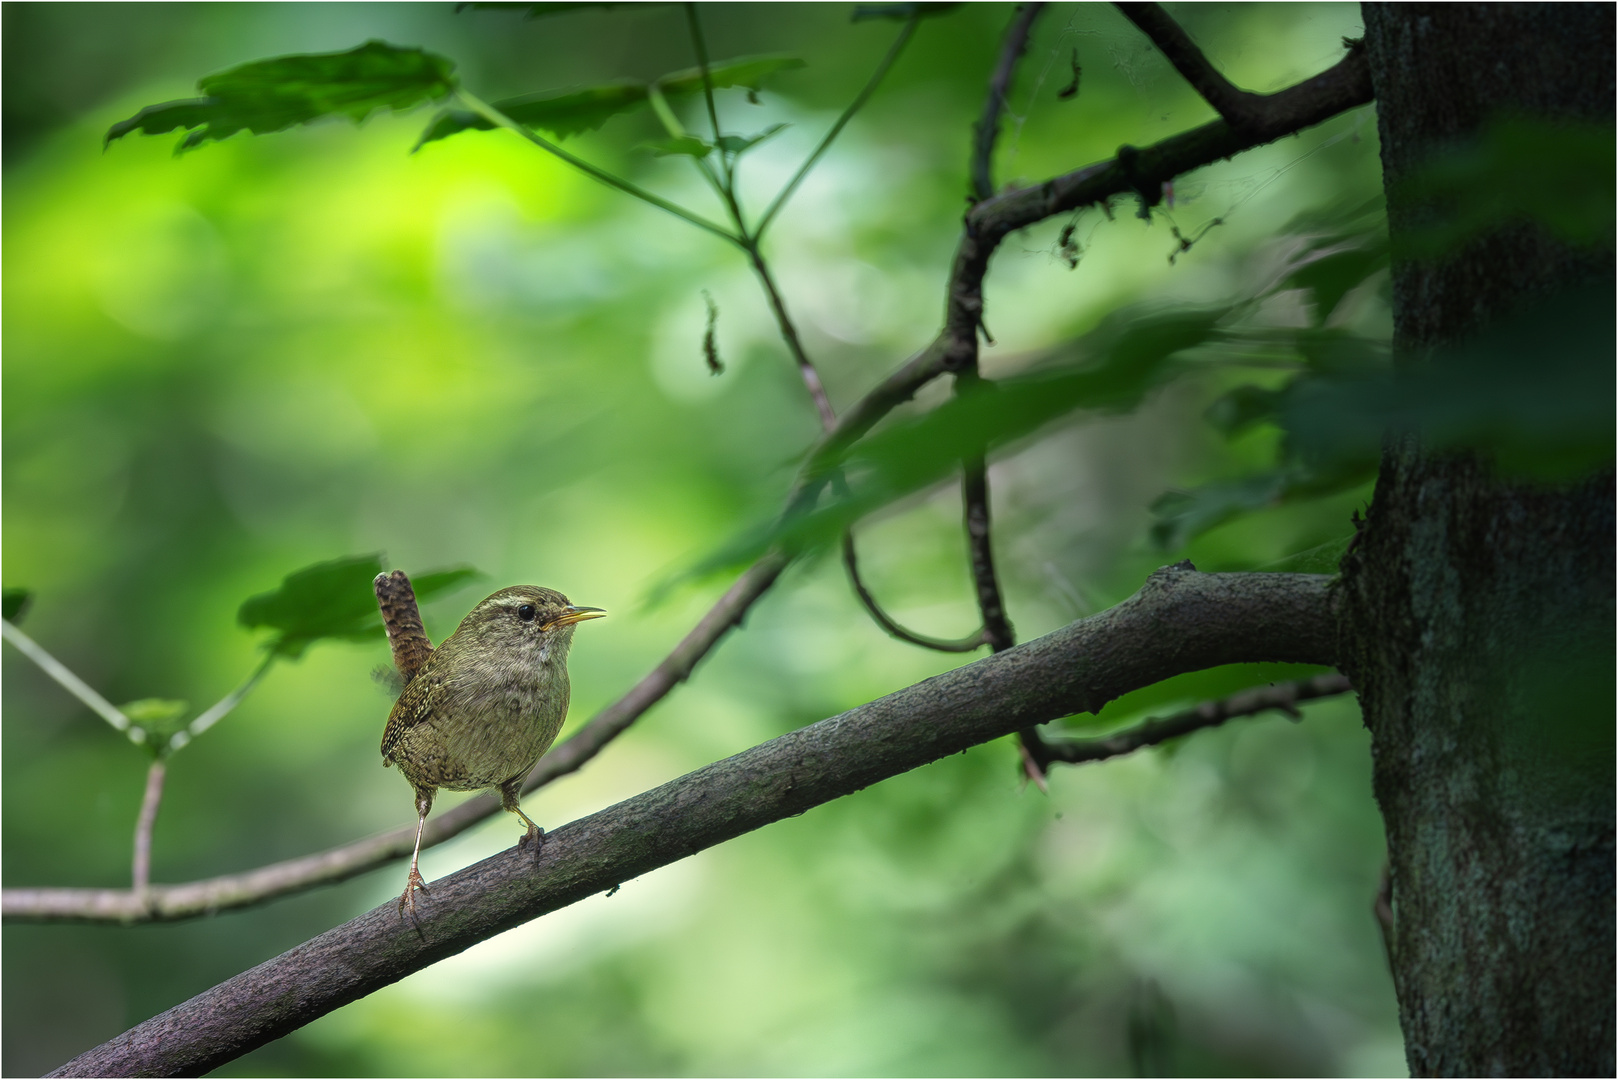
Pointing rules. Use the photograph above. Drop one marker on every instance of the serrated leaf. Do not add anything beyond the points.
(334, 599)
(570, 112)
(14, 604)
(900, 12)
(689, 145)
(272, 95)
(740, 144)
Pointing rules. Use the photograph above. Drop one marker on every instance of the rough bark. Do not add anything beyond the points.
(1180, 621)
(1479, 613)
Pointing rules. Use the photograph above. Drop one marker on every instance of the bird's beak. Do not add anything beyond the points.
(575, 615)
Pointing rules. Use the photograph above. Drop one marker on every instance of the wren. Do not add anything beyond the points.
(479, 710)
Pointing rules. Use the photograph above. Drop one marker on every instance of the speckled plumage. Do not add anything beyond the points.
(487, 702)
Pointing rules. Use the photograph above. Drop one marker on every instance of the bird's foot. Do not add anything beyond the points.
(534, 838)
(413, 884)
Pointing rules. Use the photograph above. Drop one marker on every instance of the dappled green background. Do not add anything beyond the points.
(278, 350)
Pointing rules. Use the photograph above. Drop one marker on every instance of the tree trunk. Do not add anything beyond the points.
(1480, 612)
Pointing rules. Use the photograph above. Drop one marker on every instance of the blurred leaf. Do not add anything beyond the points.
(334, 599)
(900, 12)
(539, 11)
(570, 112)
(1331, 276)
(14, 604)
(1181, 516)
(1556, 173)
(1534, 391)
(441, 581)
(738, 144)
(1330, 351)
(1111, 370)
(745, 71)
(689, 145)
(272, 95)
(1241, 408)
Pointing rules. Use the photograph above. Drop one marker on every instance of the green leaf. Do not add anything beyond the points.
(686, 144)
(160, 717)
(1181, 516)
(1241, 408)
(1110, 370)
(1533, 391)
(570, 112)
(272, 95)
(539, 11)
(1331, 276)
(1556, 173)
(901, 12)
(334, 599)
(738, 144)
(744, 71)
(14, 604)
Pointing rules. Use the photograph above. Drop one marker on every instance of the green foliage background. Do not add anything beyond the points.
(274, 351)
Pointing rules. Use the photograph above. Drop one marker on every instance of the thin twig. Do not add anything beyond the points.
(864, 95)
(142, 870)
(701, 47)
(500, 119)
(71, 682)
(789, 333)
(1342, 87)
(222, 706)
(956, 645)
(1284, 696)
(1236, 106)
(987, 130)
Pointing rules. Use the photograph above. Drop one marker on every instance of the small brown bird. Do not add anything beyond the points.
(485, 705)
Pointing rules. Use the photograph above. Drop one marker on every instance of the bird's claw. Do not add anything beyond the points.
(534, 837)
(413, 884)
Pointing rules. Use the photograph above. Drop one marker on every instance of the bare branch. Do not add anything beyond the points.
(141, 871)
(402, 619)
(789, 333)
(987, 130)
(1284, 696)
(69, 681)
(1140, 172)
(1237, 107)
(957, 645)
(1180, 621)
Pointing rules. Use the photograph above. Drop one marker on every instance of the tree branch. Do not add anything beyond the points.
(987, 130)
(141, 870)
(956, 645)
(1140, 172)
(1237, 107)
(1284, 696)
(1180, 621)
(1341, 87)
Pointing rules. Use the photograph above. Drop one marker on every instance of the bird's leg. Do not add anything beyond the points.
(510, 794)
(424, 803)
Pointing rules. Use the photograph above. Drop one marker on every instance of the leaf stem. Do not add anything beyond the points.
(71, 682)
(222, 706)
(500, 119)
(848, 114)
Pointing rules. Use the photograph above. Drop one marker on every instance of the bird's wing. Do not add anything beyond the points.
(411, 709)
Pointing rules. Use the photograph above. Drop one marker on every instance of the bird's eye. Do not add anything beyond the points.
(526, 613)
